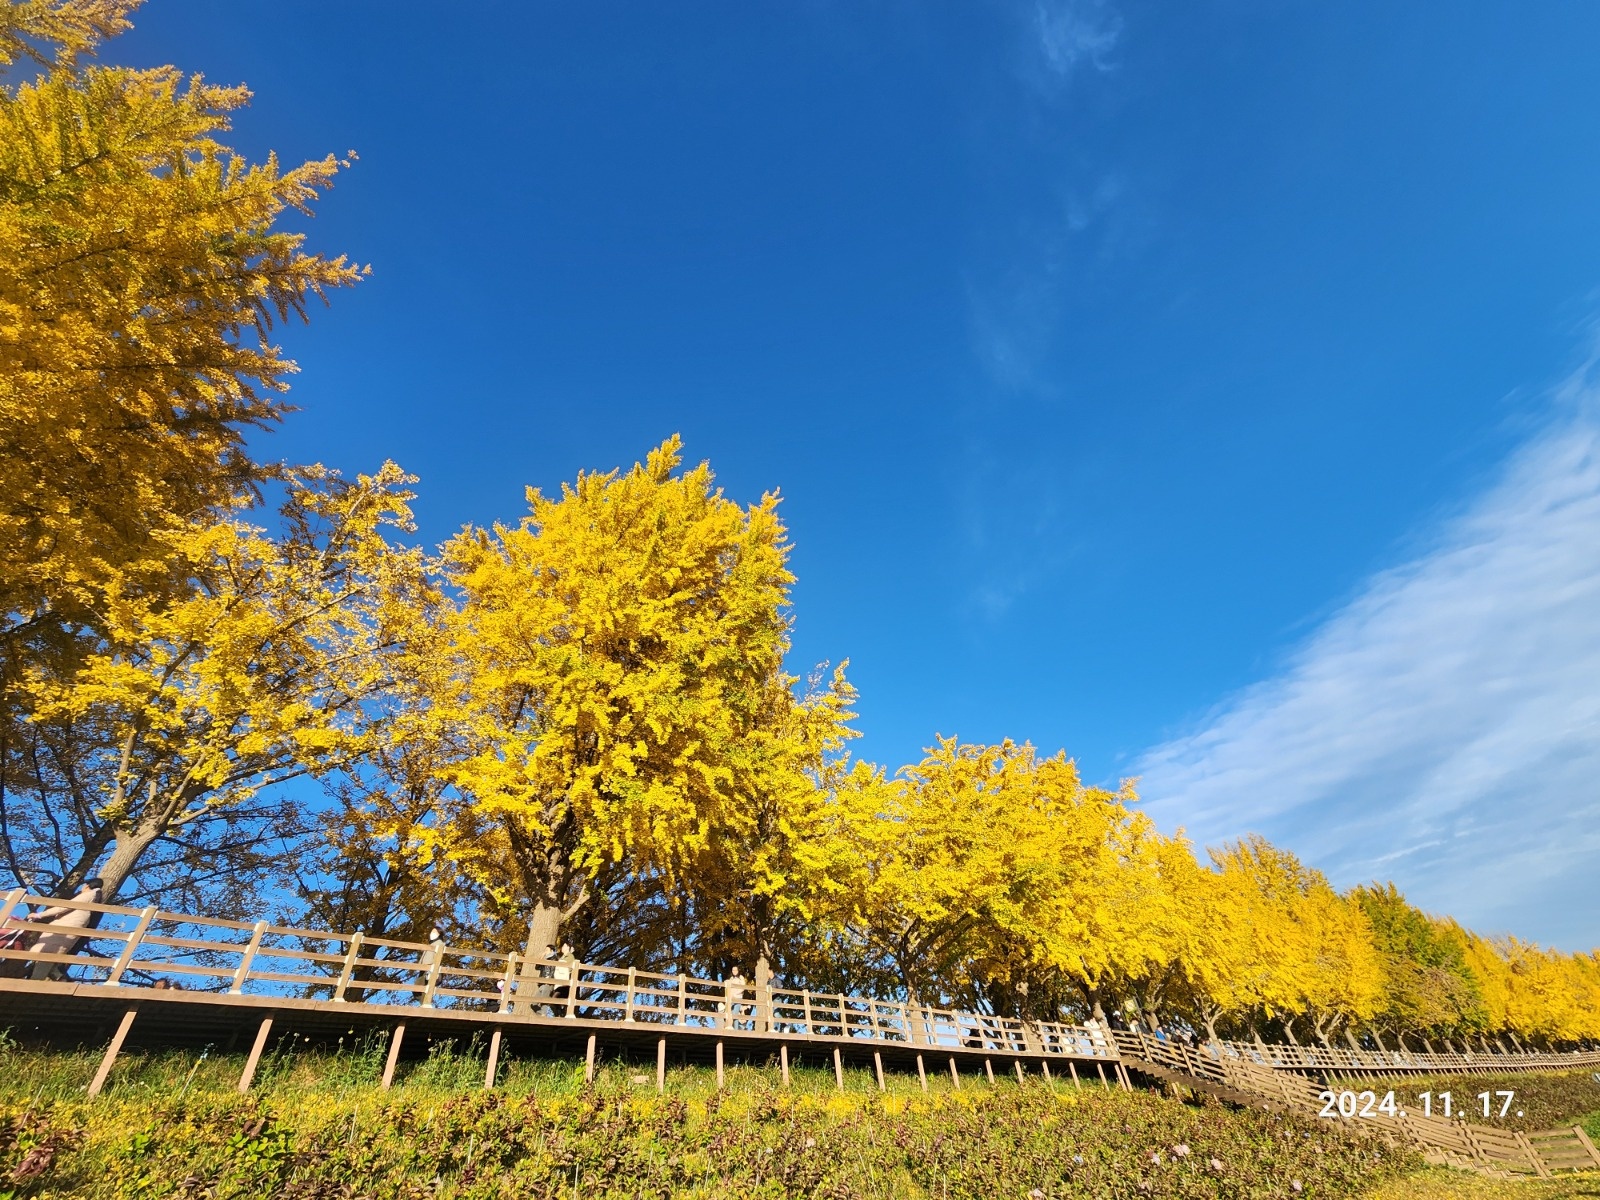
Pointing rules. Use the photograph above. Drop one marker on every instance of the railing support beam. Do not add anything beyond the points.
(494, 1060)
(395, 1040)
(115, 1048)
(248, 1075)
(123, 959)
(247, 959)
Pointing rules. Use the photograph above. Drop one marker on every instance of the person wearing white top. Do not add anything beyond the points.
(71, 921)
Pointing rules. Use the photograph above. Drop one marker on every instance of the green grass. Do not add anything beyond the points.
(1439, 1183)
(317, 1126)
(290, 1069)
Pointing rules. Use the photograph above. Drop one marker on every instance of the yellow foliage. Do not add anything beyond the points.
(140, 276)
(614, 659)
(254, 674)
(988, 860)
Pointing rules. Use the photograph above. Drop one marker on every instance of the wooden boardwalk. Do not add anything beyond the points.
(1284, 1079)
(144, 977)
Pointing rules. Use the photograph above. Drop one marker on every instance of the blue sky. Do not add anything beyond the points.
(1200, 388)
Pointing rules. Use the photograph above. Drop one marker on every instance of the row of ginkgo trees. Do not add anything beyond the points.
(578, 726)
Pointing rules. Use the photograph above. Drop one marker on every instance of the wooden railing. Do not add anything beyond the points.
(1212, 1060)
(142, 947)
(146, 947)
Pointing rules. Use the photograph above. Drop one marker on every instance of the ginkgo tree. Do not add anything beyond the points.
(773, 869)
(981, 865)
(192, 705)
(614, 655)
(141, 275)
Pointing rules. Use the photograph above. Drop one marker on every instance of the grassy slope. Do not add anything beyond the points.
(318, 1127)
(1545, 1101)
(1439, 1184)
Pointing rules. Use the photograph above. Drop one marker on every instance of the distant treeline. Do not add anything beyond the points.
(575, 727)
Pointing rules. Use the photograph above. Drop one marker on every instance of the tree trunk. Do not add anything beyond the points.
(763, 978)
(544, 928)
(128, 849)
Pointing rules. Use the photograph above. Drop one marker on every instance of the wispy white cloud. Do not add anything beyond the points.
(1076, 33)
(1054, 216)
(1443, 727)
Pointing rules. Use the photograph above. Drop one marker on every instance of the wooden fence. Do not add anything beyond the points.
(147, 947)
(133, 948)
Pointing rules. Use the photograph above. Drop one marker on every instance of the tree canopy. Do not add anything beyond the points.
(581, 725)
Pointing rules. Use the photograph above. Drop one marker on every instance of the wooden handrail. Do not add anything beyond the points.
(628, 994)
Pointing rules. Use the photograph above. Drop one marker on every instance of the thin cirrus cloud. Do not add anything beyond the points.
(1442, 728)
(1076, 33)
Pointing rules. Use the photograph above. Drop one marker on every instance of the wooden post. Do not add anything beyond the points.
(1073, 1067)
(508, 985)
(877, 1063)
(1044, 1066)
(627, 1011)
(1583, 1137)
(1101, 1069)
(1122, 1074)
(13, 898)
(988, 1069)
(661, 1065)
(783, 1064)
(435, 965)
(349, 965)
(1017, 1063)
(955, 1074)
(838, 1069)
(394, 1055)
(494, 1060)
(922, 1073)
(572, 990)
(1534, 1160)
(112, 1051)
(810, 1028)
(115, 978)
(588, 1061)
(251, 1063)
(247, 959)
(682, 1017)
(720, 1079)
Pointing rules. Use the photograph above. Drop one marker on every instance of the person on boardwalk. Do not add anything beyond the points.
(733, 992)
(566, 974)
(71, 922)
